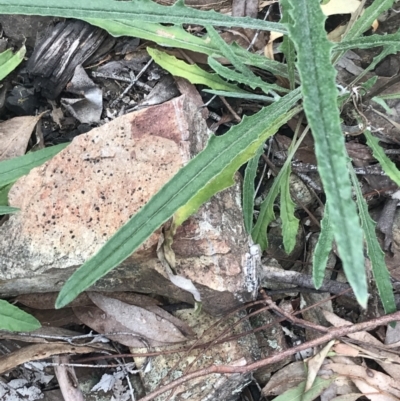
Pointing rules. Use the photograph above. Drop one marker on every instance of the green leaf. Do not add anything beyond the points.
(297, 393)
(244, 72)
(4, 194)
(387, 165)
(367, 42)
(142, 11)
(374, 251)
(247, 96)
(11, 170)
(192, 73)
(14, 319)
(267, 215)
(8, 210)
(10, 60)
(248, 191)
(369, 15)
(174, 36)
(290, 224)
(383, 104)
(232, 75)
(287, 47)
(323, 248)
(209, 172)
(320, 105)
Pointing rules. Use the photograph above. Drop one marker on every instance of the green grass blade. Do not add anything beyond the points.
(233, 75)
(374, 251)
(192, 73)
(14, 319)
(387, 165)
(298, 394)
(290, 223)
(11, 170)
(9, 61)
(248, 191)
(191, 182)
(320, 105)
(323, 248)
(8, 210)
(142, 11)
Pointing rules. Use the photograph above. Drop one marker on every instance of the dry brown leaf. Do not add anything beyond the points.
(346, 350)
(286, 378)
(141, 321)
(41, 351)
(315, 363)
(15, 134)
(368, 380)
(384, 358)
(103, 323)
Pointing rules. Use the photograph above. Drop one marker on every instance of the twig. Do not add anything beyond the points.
(334, 332)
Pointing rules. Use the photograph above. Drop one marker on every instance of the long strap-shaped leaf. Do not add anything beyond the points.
(201, 178)
(319, 92)
(140, 10)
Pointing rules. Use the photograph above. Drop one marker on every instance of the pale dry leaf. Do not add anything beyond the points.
(315, 363)
(15, 134)
(345, 350)
(140, 320)
(286, 378)
(103, 323)
(386, 359)
(367, 380)
(340, 7)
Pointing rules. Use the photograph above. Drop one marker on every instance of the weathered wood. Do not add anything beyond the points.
(63, 48)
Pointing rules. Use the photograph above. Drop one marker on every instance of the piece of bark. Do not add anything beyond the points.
(63, 48)
(72, 204)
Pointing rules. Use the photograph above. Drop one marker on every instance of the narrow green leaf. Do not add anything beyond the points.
(387, 165)
(192, 73)
(389, 96)
(383, 104)
(374, 251)
(367, 42)
(14, 319)
(174, 36)
(232, 75)
(142, 11)
(287, 46)
(192, 181)
(4, 193)
(8, 210)
(11, 170)
(229, 53)
(240, 95)
(323, 248)
(290, 223)
(320, 105)
(248, 191)
(267, 215)
(369, 15)
(9, 61)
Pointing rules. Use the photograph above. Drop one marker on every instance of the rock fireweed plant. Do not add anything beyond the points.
(310, 70)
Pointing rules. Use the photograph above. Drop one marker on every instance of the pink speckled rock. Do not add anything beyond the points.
(72, 204)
